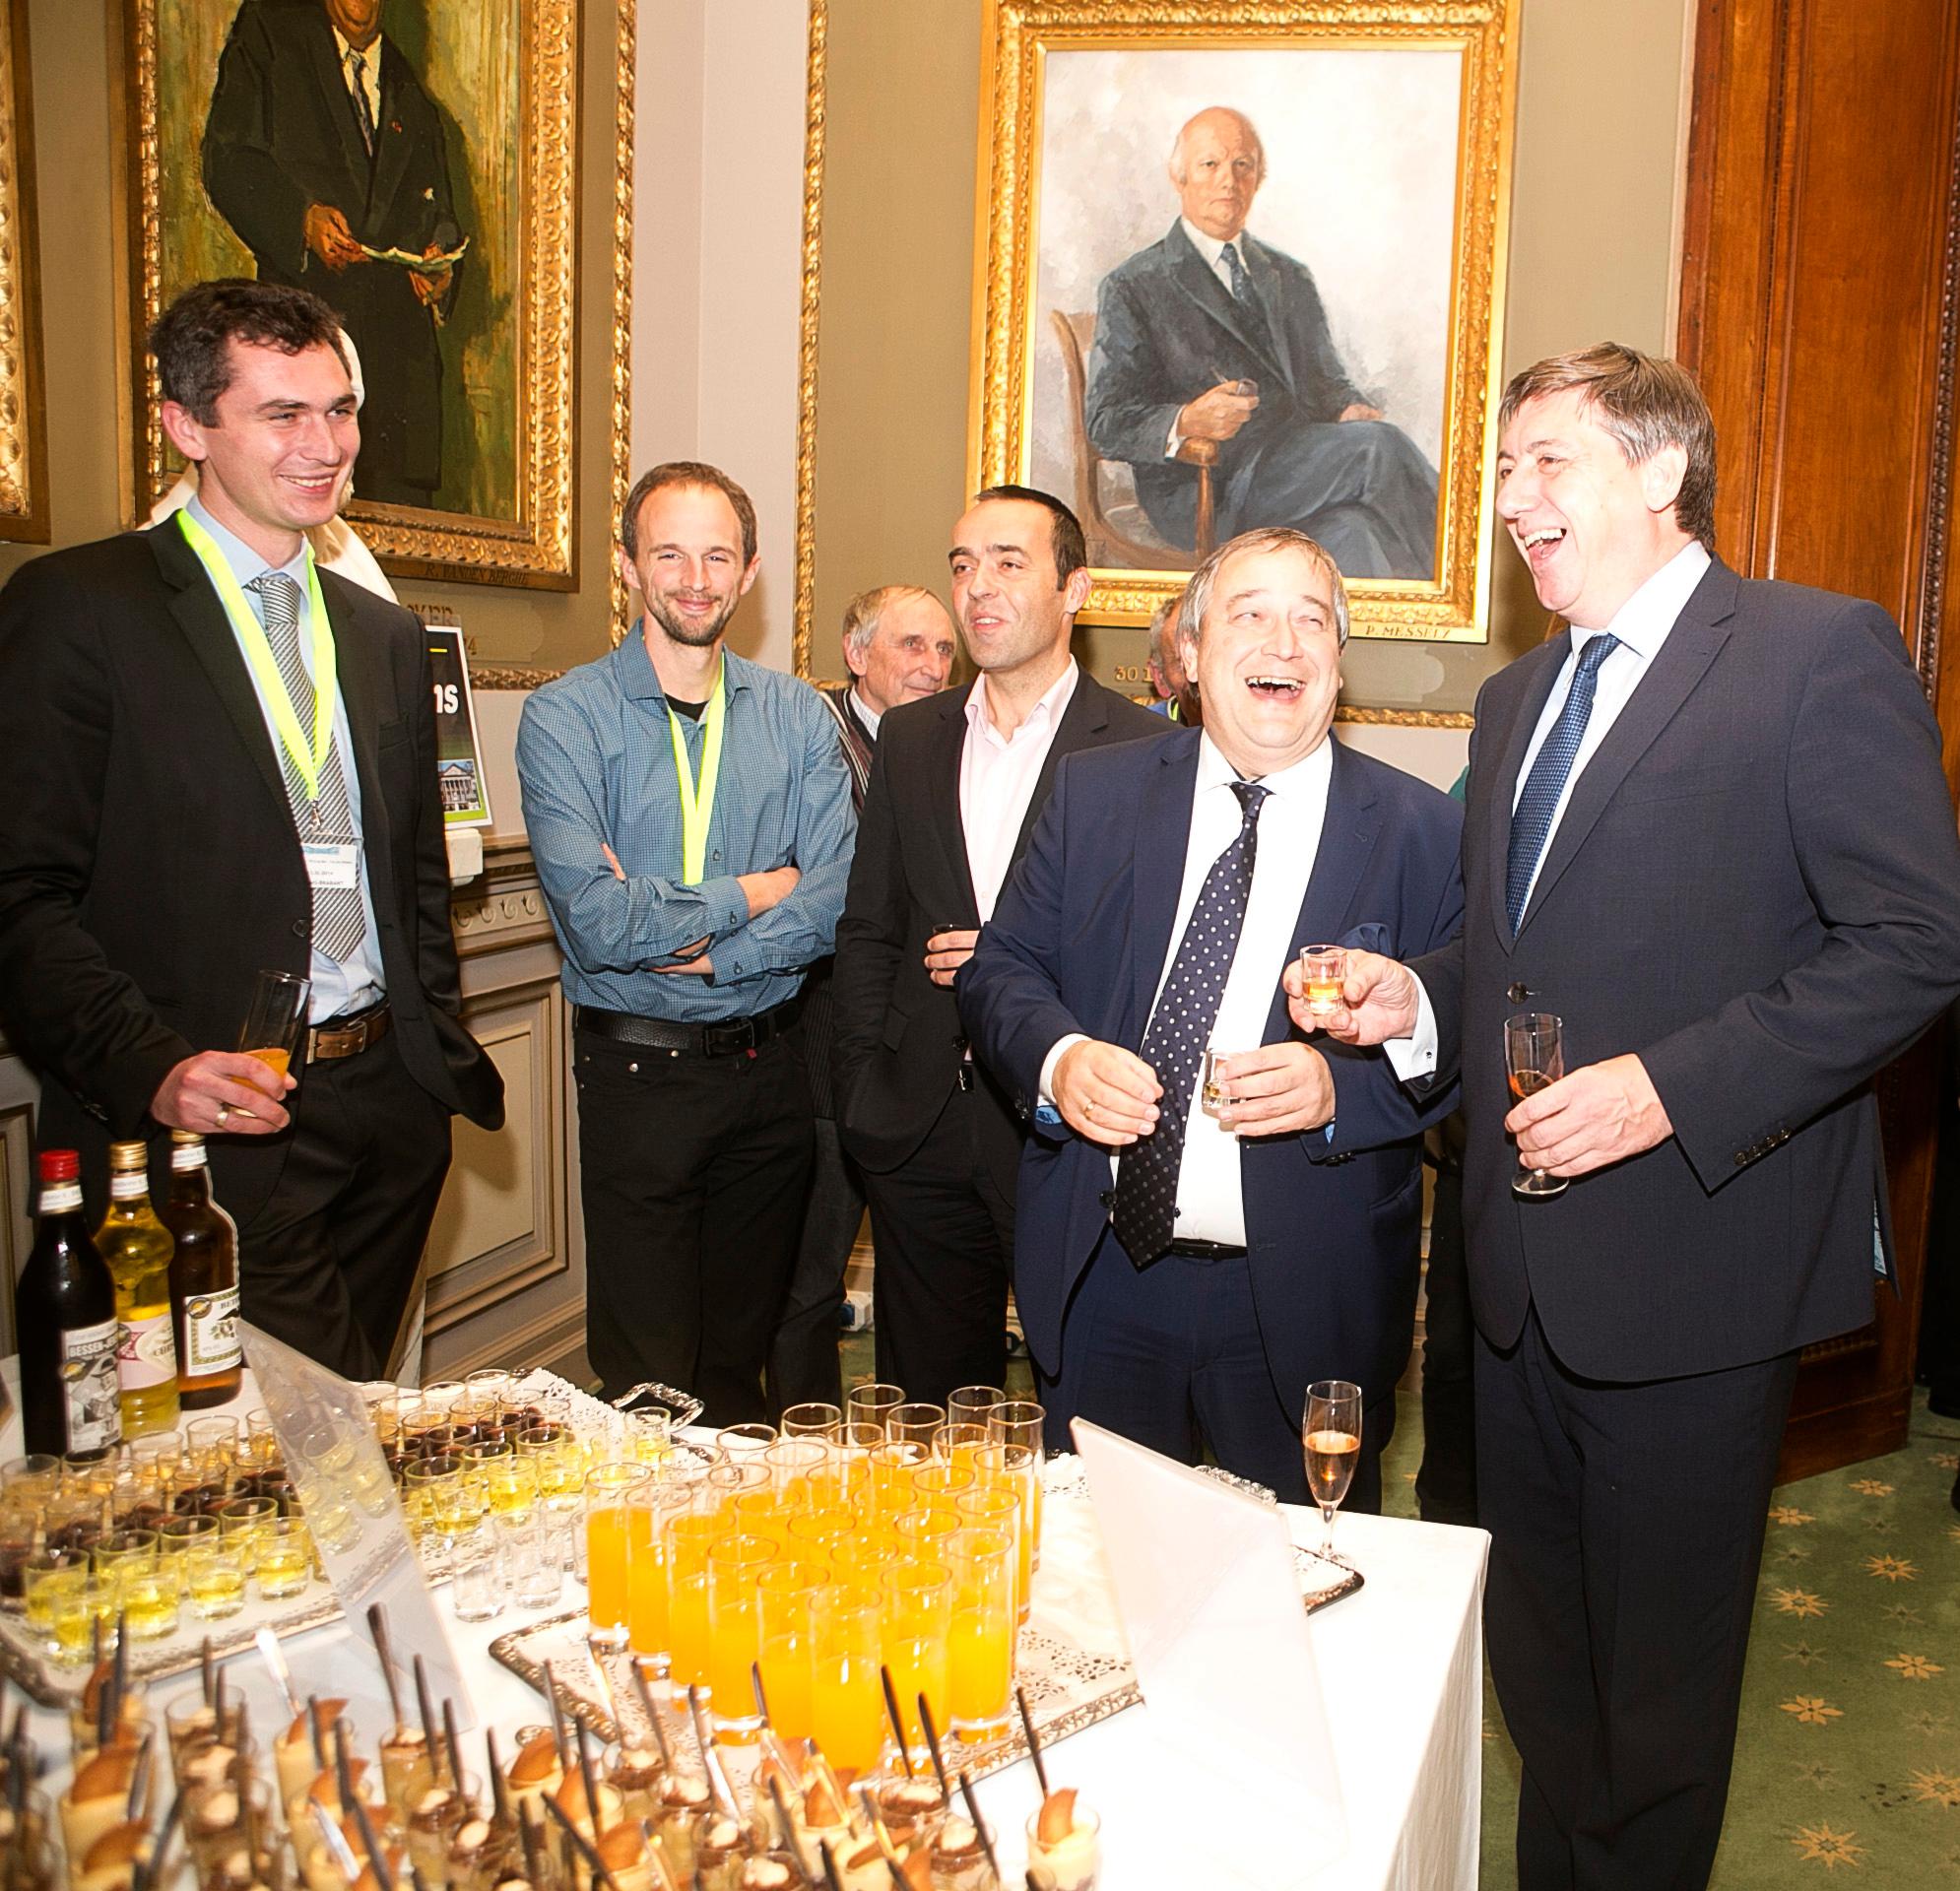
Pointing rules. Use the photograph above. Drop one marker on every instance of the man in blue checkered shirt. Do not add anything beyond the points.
(690, 817)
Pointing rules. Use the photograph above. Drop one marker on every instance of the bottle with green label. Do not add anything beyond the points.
(64, 1315)
(136, 1248)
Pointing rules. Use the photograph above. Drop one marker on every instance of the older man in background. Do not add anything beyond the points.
(1176, 694)
(898, 646)
(1210, 334)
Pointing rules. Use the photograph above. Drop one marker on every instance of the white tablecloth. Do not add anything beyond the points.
(1400, 1665)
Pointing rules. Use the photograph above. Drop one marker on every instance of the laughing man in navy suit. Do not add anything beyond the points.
(1182, 1278)
(1210, 334)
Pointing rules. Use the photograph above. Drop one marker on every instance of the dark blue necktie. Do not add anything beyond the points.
(1174, 1040)
(1530, 821)
(1242, 289)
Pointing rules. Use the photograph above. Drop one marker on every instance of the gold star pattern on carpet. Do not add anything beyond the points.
(1788, 1515)
(1812, 1709)
(1893, 1569)
(1819, 1845)
(1904, 1613)
(1815, 1773)
(1945, 1460)
(1915, 1668)
(1804, 1652)
(1799, 1601)
(1872, 1487)
(1937, 1789)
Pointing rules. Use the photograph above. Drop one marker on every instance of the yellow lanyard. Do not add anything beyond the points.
(697, 806)
(265, 667)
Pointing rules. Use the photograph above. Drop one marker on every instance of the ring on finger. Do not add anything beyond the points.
(224, 1114)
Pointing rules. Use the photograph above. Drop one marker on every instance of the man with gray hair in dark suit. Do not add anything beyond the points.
(1211, 335)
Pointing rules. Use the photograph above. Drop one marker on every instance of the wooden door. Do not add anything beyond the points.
(1820, 307)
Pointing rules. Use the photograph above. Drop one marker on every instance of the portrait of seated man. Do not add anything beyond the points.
(1212, 334)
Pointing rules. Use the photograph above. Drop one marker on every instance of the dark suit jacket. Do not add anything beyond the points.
(281, 135)
(148, 863)
(1755, 889)
(1167, 330)
(1078, 944)
(899, 1043)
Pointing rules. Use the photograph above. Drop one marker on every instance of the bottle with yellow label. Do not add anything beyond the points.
(138, 1248)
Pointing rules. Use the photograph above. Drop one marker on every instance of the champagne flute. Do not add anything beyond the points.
(1331, 1433)
(1534, 1060)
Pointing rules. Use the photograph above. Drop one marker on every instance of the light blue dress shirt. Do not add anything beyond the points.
(595, 760)
(339, 985)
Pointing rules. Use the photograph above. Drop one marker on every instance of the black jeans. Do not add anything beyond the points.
(693, 1176)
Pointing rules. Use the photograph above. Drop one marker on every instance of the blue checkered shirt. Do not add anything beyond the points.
(595, 760)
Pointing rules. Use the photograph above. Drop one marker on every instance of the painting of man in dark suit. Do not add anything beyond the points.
(1212, 334)
(321, 149)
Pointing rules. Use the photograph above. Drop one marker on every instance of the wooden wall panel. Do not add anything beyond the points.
(1818, 307)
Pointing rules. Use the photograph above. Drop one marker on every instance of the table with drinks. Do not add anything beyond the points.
(857, 1577)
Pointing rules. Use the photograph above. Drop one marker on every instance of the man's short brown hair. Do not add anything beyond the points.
(687, 472)
(1072, 552)
(190, 338)
(1645, 402)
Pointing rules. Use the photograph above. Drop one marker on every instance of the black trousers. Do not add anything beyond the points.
(945, 1240)
(1172, 1358)
(693, 1170)
(1446, 1480)
(803, 1357)
(1628, 1529)
(328, 1263)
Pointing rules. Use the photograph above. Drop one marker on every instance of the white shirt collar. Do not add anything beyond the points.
(1046, 712)
(1212, 247)
(862, 710)
(1643, 622)
(369, 55)
(1309, 776)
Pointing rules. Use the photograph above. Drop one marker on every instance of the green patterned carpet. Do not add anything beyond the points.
(1848, 1761)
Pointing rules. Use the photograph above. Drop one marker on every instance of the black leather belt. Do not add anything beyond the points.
(1205, 1251)
(348, 1036)
(727, 1039)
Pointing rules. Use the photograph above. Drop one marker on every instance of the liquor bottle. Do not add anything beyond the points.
(136, 1248)
(64, 1317)
(204, 1279)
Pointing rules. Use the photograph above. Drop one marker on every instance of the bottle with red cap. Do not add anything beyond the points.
(65, 1322)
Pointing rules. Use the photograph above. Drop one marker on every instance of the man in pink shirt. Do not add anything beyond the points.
(955, 790)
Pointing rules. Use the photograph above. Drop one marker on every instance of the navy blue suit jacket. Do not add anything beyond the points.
(1077, 944)
(1754, 888)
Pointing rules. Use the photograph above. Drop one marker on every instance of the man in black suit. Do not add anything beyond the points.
(320, 146)
(1211, 335)
(1709, 830)
(182, 814)
(954, 791)
(1185, 1271)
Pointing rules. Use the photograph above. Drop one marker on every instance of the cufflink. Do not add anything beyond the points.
(1519, 994)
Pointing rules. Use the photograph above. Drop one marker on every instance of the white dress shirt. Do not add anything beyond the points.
(865, 713)
(997, 778)
(1641, 625)
(1210, 1198)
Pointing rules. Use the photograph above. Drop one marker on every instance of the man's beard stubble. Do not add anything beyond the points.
(696, 637)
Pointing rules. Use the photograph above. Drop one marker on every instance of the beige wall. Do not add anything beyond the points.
(74, 98)
(1597, 156)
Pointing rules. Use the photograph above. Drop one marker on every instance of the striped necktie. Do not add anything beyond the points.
(339, 921)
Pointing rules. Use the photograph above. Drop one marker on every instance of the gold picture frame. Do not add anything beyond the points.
(499, 520)
(23, 517)
(1051, 66)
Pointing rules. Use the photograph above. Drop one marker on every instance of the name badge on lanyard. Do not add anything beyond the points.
(332, 866)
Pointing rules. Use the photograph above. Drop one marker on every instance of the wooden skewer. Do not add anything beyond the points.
(377, 1627)
(428, 1722)
(932, 1747)
(896, 1718)
(593, 1862)
(652, 1714)
(979, 1825)
(1033, 1745)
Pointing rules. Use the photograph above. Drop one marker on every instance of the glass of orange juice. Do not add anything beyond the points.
(734, 1563)
(846, 1706)
(650, 1509)
(1017, 1424)
(275, 1021)
(981, 1666)
(1010, 1470)
(998, 1509)
(916, 1625)
(689, 1536)
(785, 1597)
(608, 1535)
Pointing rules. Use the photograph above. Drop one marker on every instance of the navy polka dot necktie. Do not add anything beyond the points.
(1174, 1041)
(1530, 821)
